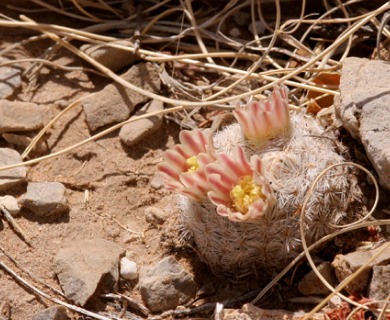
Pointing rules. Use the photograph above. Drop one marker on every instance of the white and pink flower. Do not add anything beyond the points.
(265, 120)
(184, 165)
(238, 188)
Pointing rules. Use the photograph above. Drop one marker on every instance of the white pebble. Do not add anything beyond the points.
(11, 204)
(128, 269)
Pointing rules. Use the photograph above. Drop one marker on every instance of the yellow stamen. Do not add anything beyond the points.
(193, 164)
(245, 193)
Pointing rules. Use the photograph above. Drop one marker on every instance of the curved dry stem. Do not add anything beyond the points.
(63, 12)
(190, 14)
(85, 12)
(357, 223)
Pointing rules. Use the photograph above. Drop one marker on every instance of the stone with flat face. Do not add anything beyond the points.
(364, 109)
(10, 79)
(86, 268)
(115, 103)
(45, 198)
(11, 177)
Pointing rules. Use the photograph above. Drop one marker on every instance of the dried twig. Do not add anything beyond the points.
(131, 303)
(8, 216)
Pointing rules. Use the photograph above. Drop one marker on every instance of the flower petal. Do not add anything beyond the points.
(239, 188)
(194, 140)
(183, 167)
(220, 189)
(261, 121)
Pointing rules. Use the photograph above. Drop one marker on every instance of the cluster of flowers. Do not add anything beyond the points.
(237, 187)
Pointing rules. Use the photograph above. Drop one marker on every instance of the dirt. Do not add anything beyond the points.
(108, 187)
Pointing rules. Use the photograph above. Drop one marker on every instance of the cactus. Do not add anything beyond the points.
(249, 190)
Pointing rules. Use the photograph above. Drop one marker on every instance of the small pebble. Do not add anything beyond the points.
(154, 215)
(157, 182)
(135, 132)
(11, 177)
(11, 204)
(128, 269)
(45, 198)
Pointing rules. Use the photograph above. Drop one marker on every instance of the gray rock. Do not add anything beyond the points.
(52, 313)
(45, 198)
(154, 215)
(345, 265)
(22, 141)
(134, 132)
(87, 268)
(11, 177)
(166, 285)
(115, 103)
(364, 109)
(13, 116)
(11, 204)
(112, 58)
(379, 287)
(128, 269)
(10, 79)
(312, 285)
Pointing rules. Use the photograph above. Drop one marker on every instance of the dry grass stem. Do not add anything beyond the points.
(8, 216)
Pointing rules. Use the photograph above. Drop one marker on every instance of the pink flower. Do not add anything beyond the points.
(238, 188)
(267, 119)
(184, 165)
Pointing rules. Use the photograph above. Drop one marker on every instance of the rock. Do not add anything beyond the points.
(345, 265)
(87, 268)
(112, 58)
(11, 177)
(312, 285)
(52, 313)
(157, 182)
(11, 204)
(23, 141)
(136, 131)
(115, 103)
(379, 287)
(128, 269)
(45, 198)
(10, 79)
(250, 312)
(364, 109)
(154, 215)
(13, 116)
(166, 285)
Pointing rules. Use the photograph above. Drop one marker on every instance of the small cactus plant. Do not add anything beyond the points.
(240, 190)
